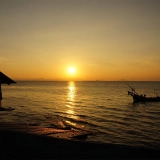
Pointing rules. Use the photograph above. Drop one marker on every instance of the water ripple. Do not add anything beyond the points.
(100, 106)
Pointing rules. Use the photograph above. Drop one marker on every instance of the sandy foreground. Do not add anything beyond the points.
(19, 141)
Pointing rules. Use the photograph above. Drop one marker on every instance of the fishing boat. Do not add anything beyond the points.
(142, 98)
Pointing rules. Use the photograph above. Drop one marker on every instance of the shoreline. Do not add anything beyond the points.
(34, 142)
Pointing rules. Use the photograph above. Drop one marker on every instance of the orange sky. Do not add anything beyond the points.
(102, 39)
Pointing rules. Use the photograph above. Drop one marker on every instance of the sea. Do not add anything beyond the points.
(102, 107)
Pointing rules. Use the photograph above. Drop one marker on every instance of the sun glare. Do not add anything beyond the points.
(71, 70)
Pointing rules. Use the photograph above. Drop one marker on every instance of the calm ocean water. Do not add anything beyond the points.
(102, 107)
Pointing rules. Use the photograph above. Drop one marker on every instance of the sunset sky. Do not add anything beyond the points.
(99, 39)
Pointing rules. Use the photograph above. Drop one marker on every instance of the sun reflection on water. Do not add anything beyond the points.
(71, 97)
(71, 107)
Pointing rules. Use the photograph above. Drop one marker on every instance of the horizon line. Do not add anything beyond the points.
(56, 80)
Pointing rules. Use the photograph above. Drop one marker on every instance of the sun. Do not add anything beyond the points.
(71, 70)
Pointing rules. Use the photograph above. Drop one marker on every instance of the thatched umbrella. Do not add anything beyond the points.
(4, 80)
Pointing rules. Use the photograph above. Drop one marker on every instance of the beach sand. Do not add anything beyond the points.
(20, 141)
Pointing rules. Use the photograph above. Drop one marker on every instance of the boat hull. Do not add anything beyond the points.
(146, 99)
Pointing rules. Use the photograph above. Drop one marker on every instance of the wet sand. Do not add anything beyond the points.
(19, 141)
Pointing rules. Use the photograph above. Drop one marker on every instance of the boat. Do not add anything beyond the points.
(142, 97)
